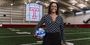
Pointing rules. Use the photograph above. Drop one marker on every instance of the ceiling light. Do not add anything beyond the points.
(46, 4)
(29, 0)
(11, 4)
(73, 1)
(71, 8)
(53, 1)
(25, 2)
(79, 13)
(86, 0)
(81, 5)
(63, 10)
(40, 2)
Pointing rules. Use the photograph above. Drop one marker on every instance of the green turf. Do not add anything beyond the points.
(81, 42)
(76, 30)
(16, 40)
(76, 36)
(8, 37)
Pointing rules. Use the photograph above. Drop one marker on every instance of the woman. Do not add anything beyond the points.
(54, 25)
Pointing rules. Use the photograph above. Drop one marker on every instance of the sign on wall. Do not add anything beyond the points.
(33, 12)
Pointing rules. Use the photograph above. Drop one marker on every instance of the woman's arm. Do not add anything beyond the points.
(40, 22)
(38, 26)
(62, 30)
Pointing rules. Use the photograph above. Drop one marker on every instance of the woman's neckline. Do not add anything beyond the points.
(52, 19)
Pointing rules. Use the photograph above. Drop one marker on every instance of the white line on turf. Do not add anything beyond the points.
(13, 29)
(15, 36)
(64, 33)
(68, 40)
(78, 33)
(18, 31)
(32, 35)
(23, 32)
(79, 39)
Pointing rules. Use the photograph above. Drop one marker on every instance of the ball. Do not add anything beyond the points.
(40, 32)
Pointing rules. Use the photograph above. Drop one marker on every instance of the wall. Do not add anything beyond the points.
(77, 19)
(14, 14)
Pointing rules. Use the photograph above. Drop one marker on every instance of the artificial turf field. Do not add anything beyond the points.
(9, 36)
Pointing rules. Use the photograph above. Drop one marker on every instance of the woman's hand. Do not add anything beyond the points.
(37, 37)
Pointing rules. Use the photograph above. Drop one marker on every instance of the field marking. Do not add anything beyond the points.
(78, 39)
(32, 35)
(64, 33)
(70, 40)
(15, 36)
(77, 33)
(11, 29)
(17, 31)
(66, 40)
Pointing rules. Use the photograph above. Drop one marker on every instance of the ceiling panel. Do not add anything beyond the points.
(64, 4)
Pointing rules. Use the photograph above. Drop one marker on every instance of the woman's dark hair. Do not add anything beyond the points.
(49, 8)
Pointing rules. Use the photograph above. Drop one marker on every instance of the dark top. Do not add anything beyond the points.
(52, 26)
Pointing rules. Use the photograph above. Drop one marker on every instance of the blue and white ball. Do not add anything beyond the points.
(40, 32)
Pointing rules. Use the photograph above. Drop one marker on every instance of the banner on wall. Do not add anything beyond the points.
(33, 12)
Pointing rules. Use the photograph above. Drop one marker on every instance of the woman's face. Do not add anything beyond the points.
(53, 8)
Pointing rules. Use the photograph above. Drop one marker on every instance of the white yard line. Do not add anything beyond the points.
(79, 39)
(66, 41)
(77, 33)
(64, 33)
(32, 35)
(18, 31)
(15, 36)
(13, 29)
